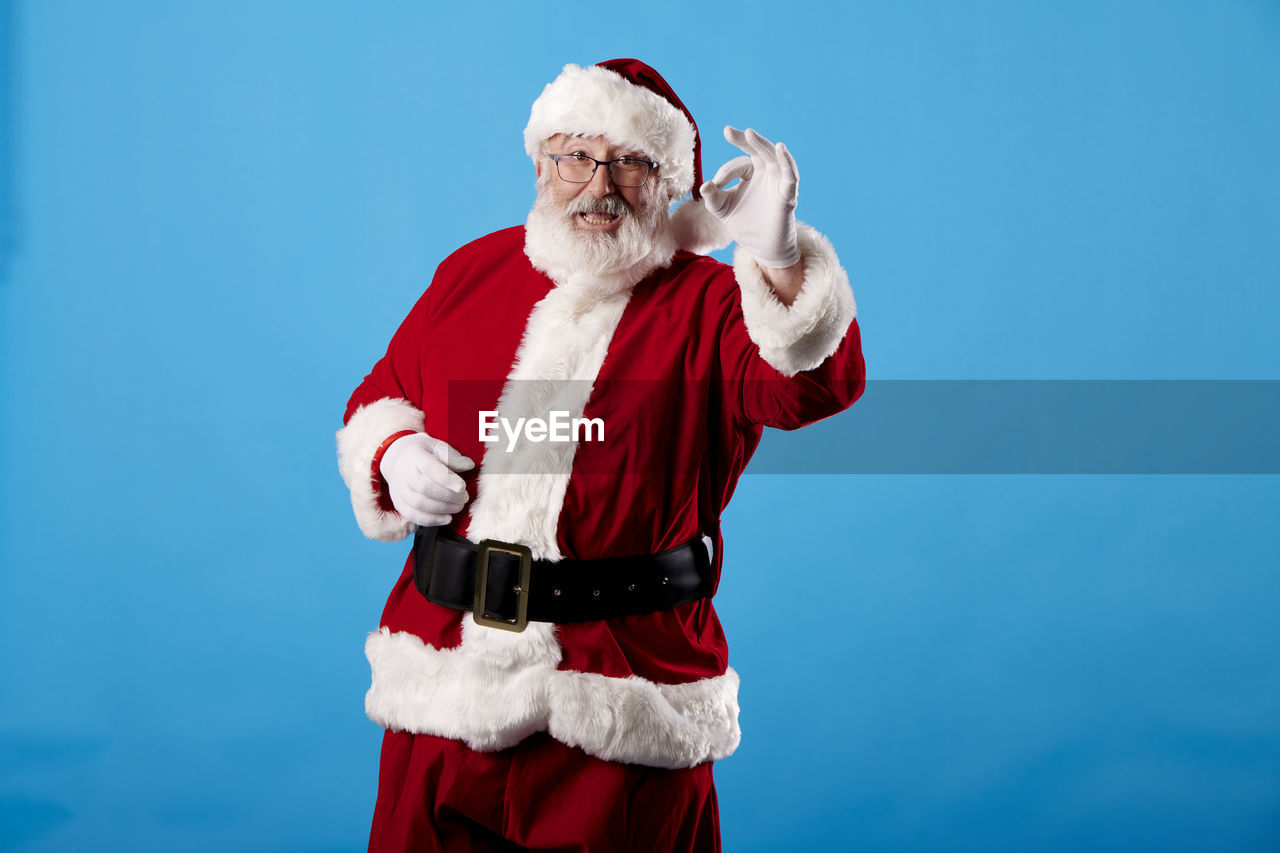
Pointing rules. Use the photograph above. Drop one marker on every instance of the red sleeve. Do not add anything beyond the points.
(790, 366)
(387, 402)
(398, 373)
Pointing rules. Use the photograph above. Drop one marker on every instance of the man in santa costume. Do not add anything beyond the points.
(549, 668)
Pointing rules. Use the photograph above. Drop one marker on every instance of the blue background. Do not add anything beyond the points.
(213, 215)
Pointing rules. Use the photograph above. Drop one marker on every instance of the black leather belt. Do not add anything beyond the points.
(504, 587)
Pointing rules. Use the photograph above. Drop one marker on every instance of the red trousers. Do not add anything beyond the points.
(436, 794)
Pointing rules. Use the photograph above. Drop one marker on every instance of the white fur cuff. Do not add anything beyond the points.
(491, 703)
(368, 427)
(800, 337)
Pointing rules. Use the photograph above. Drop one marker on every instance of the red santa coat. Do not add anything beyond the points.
(684, 369)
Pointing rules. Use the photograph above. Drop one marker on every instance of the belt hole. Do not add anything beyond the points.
(595, 593)
(556, 592)
(517, 589)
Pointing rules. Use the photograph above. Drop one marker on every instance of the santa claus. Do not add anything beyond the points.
(549, 668)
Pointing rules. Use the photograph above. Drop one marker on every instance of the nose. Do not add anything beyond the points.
(601, 184)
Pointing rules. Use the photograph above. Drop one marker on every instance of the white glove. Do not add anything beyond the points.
(419, 471)
(759, 213)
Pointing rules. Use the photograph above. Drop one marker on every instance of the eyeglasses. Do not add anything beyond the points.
(578, 168)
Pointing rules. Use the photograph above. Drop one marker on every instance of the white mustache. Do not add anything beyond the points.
(610, 204)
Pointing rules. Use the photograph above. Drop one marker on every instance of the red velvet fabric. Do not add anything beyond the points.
(684, 395)
(436, 794)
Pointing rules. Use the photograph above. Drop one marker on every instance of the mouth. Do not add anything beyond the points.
(598, 220)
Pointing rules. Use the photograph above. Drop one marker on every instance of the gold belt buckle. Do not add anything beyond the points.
(482, 585)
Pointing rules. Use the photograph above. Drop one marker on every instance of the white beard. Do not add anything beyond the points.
(603, 263)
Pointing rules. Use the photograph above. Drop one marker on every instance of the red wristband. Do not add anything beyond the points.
(379, 482)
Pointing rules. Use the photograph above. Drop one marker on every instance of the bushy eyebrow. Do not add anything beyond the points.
(570, 143)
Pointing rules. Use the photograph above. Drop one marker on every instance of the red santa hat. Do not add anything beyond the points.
(628, 102)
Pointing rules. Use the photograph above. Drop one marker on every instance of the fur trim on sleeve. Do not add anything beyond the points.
(800, 337)
(368, 427)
